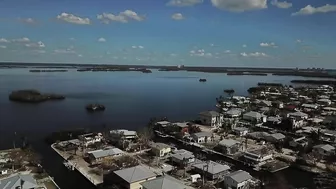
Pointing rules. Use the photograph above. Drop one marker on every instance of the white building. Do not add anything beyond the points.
(237, 180)
(160, 149)
(254, 117)
(182, 157)
(234, 113)
(90, 138)
(240, 131)
(310, 106)
(324, 102)
(324, 149)
(299, 115)
(124, 134)
(202, 137)
(258, 156)
(211, 118)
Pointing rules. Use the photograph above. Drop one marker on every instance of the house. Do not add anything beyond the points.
(211, 169)
(130, 178)
(300, 142)
(237, 180)
(254, 117)
(3, 171)
(202, 137)
(258, 156)
(183, 127)
(274, 120)
(164, 182)
(276, 137)
(182, 157)
(211, 118)
(310, 106)
(160, 149)
(265, 103)
(69, 145)
(98, 156)
(90, 138)
(240, 131)
(229, 146)
(233, 113)
(19, 181)
(299, 115)
(324, 102)
(122, 134)
(324, 149)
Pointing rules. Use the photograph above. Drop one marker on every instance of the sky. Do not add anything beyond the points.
(250, 33)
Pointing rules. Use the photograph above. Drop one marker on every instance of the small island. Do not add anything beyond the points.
(33, 96)
(38, 71)
(95, 107)
(202, 80)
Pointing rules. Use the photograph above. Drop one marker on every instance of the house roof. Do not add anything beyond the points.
(298, 114)
(228, 142)
(253, 114)
(182, 154)
(181, 124)
(241, 129)
(210, 113)
(274, 119)
(278, 136)
(104, 153)
(234, 111)
(124, 132)
(135, 174)
(165, 182)
(325, 147)
(239, 176)
(309, 105)
(266, 102)
(159, 145)
(213, 167)
(13, 182)
(202, 134)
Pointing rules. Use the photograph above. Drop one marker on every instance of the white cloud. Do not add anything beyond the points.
(80, 55)
(101, 39)
(183, 3)
(69, 50)
(3, 40)
(72, 39)
(140, 47)
(200, 52)
(281, 5)
(137, 47)
(211, 45)
(227, 51)
(177, 16)
(27, 20)
(40, 51)
(38, 44)
(22, 40)
(298, 41)
(3, 46)
(309, 10)
(255, 54)
(268, 45)
(123, 17)
(66, 17)
(244, 46)
(239, 5)
(173, 54)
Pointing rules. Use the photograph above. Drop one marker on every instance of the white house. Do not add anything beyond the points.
(123, 134)
(98, 155)
(258, 156)
(160, 149)
(237, 180)
(202, 137)
(254, 117)
(211, 118)
(90, 138)
(3, 171)
(182, 157)
(233, 113)
(310, 106)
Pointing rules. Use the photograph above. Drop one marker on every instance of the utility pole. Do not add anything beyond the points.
(14, 140)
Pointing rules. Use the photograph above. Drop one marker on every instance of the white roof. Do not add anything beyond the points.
(228, 142)
(135, 174)
(104, 153)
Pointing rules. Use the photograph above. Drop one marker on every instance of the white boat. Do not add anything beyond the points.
(69, 165)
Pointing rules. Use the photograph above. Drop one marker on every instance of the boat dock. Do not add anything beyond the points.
(80, 165)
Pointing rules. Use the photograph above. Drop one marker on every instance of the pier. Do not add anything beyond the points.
(81, 166)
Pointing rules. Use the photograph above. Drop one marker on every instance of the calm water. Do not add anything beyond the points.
(131, 99)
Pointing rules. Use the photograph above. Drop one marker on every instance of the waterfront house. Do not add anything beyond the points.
(183, 127)
(233, 113)
(68, 145)
(229, 146)
(240, 131)
(202, 137)
(324, 102)
(211, 169)
(258, 156)
(211, 118)
(255, 117)
(164, 182)
(98, 156)
(90, 138)
(160, 149)
(19, 181)
(122, 134)
(130, 178)
(237, 180)
(324, 150)
(182, 157)
(275, 138)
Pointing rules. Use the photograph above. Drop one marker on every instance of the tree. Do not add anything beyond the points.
(144, 136)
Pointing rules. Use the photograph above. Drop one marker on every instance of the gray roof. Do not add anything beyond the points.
(234, 111)
(278, 136)
(13, 182)
(202, 134)
(181, 124)
(164, 182)
(325, 147)
(124, 132)
(298, 114)
(213, 167)
(254, 114)
(210, 113)
(266, 102)
(240, 129)
(135, 174)
(104, 153)
(239, 176)
(274, 119)
(182, 154)
(159, 146)
(228, 142)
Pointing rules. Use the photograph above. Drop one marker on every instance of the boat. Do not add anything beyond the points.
(69, 165)
(95, 107)
(202, 80)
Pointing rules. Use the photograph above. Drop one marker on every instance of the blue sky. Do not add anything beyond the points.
(254, 33)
